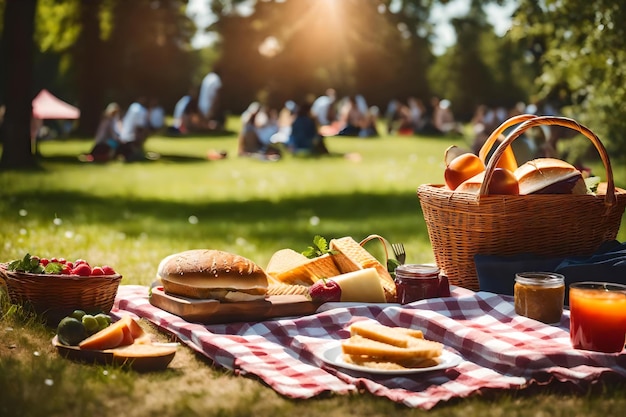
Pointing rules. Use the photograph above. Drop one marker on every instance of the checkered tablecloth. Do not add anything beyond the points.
(500, 350)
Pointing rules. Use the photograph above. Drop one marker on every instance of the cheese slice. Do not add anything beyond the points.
(361, 286)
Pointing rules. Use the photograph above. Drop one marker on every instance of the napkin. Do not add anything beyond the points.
(608, 264)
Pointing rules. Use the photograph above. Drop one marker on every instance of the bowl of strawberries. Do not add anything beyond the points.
(54, 287)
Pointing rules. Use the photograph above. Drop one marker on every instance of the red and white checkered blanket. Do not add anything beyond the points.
(500, 349)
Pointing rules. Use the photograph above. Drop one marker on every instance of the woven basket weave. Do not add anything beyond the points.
(462, 225)
(56, 296)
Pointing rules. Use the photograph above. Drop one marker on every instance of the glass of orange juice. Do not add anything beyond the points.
(598, 316)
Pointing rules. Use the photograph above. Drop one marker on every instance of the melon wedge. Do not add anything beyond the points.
(123, 332)
(107, 338)
(135, 329)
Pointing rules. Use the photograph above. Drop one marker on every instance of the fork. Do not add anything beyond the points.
(399, 252)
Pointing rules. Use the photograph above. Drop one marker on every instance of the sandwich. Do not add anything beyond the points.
(212, 274)
(549, 176)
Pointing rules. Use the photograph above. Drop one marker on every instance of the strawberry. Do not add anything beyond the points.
(97, 270)
(83, 270)
(108, 270)
(61, 260)
(66, 270)
(80, 261)
(44, 262)
(325, 290)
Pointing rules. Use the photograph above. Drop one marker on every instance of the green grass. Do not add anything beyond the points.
(132, 215)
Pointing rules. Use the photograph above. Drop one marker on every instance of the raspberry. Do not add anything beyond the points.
(96, 270)
(83, 270)
(108, 270)
(325, 290)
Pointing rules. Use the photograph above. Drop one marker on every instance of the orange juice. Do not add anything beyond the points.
(598, 316)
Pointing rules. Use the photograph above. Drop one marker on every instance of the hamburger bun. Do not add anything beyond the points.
(549, 176)
(212, 274)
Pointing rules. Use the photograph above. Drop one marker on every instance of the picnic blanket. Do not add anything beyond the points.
(499, 349)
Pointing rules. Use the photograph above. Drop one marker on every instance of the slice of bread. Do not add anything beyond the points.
(349, 256)
(290, 267)
(396, 336)
(383, 352)
(391, 366)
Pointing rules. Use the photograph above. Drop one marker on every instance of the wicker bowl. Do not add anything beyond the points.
(55, 296)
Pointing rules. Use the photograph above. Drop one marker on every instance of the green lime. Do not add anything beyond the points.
(91, 324)
(71, 331)
(104, 320)
(78, 314)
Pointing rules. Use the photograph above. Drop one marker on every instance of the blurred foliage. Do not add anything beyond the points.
(567, 53)
(481, 68)
(581, 47)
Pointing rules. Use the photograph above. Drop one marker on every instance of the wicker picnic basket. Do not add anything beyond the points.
(54, 296)
(462, 225)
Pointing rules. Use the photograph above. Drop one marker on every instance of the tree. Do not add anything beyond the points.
(581, 48)
(294, 48)
(18, 48)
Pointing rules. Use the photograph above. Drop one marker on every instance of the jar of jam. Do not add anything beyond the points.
(416, 282)
(539, 296)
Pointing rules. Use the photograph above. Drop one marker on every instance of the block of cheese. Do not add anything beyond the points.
(361, 286)
(290, 267)
(351, 256)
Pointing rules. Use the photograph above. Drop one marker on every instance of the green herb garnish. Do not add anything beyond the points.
(319, 248)
(27, 264)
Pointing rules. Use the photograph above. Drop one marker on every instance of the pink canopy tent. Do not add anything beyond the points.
(47, 106)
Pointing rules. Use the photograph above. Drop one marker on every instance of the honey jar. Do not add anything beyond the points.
(540, 296)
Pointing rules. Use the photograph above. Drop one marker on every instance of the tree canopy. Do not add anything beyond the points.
(95, 51)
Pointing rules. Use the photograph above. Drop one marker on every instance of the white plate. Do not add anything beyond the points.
(334, 356)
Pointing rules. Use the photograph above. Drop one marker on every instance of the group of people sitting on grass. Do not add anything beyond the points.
(415, 117)
(122, 136)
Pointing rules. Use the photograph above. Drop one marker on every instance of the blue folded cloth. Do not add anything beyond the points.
(497, 273)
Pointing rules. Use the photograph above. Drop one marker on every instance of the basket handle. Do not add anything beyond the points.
(484, 150)
(381, 239)
(609, 198)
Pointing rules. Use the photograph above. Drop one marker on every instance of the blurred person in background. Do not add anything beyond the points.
(107, 138)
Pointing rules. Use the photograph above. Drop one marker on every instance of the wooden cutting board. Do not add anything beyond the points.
(213, 312)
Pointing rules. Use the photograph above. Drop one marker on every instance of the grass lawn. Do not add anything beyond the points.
(132, 215)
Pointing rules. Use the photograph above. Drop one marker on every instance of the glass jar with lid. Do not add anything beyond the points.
(417, 282)
(539, 296)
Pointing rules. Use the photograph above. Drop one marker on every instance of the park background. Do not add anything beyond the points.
(569, 54)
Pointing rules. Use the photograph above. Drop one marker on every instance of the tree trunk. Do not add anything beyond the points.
(19, 27)
(90, 66)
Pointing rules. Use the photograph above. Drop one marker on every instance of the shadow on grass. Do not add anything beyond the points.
(354, 214)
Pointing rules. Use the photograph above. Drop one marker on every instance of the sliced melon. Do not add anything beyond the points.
(107, 338)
